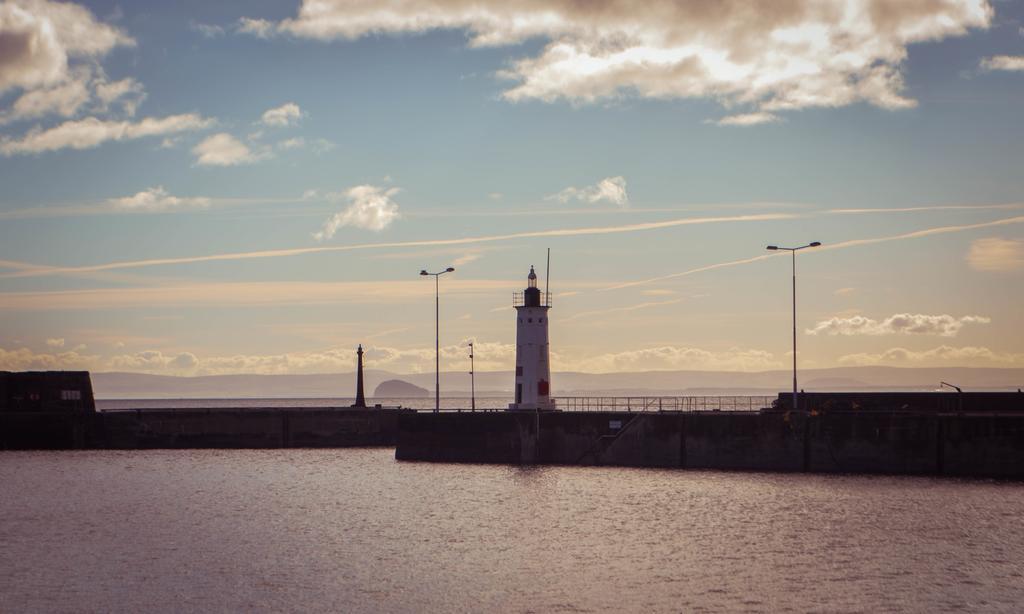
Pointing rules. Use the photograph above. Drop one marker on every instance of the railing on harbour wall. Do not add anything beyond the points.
(690, 403)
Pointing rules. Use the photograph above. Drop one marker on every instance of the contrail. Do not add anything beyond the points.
(31, 270)
(584, 314)
(927, 232)
(710, 267)
(1003, 207)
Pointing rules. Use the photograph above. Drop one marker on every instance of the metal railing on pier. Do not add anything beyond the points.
(655, 404)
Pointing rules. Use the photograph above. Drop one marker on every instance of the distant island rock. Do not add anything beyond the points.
(397, 389)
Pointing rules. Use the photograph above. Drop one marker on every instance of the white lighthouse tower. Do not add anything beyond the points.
(533, 371)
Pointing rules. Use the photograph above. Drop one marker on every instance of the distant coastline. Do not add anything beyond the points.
(115, 385)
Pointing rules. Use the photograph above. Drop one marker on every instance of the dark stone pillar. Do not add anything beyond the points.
(360, 397)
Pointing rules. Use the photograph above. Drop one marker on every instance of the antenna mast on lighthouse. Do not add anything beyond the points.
(547, 275)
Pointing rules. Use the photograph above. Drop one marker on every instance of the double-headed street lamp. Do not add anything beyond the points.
(793, 251)
(437, 335)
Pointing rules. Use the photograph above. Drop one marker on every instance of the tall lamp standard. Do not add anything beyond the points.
(437, 336)
(793, 251)
(472, 380)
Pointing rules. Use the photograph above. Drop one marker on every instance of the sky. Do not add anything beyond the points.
(197, 188)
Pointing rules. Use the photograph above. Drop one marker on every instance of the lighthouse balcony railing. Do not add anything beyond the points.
(519, 299)
(665, 404)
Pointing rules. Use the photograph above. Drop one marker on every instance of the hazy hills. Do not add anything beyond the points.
(139, 385)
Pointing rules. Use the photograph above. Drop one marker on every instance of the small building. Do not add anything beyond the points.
(46, 392)
(533, 369)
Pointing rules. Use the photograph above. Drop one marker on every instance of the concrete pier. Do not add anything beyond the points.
(916, 443)
(201, 428)
(248, 428)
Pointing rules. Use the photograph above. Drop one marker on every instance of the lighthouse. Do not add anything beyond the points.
(533, 370)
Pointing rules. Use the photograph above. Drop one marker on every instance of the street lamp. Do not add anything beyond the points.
(793, 251)
(472, 380)
(437, 335)
(959, 395)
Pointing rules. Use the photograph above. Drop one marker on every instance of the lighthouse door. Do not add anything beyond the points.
(519, 393)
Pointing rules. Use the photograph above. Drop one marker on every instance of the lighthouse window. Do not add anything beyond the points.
(541, 320)
(529, 320)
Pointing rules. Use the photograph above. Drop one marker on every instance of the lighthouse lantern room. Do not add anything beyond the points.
(533, 370)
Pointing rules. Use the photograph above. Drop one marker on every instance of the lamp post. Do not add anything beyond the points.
(472, 380)
(959, 395)
(793, 251)
(437, 335)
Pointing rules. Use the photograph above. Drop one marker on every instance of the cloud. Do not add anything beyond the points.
(55, 343)
(770, 56)
(370, 207)
(222, 149)
(321, 146)
(23, 359)
(51, 52)
(995, 254)
(92, 132)
(679, 357)
(65, 98)
(153, 360)
(157, 198)
(844, 291)
(85, 87)
(40, 39)
(466, 258)
(257, 27)
(748, 119)
(317, 146)
(609, 189)
(1003, 62)
(285, 115)
(295, 143)
(207, 30)
(898, 324)
(128, 92)
(489, 356)
(942, 355)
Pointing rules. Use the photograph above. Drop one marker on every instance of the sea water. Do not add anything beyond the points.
(353, 530)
